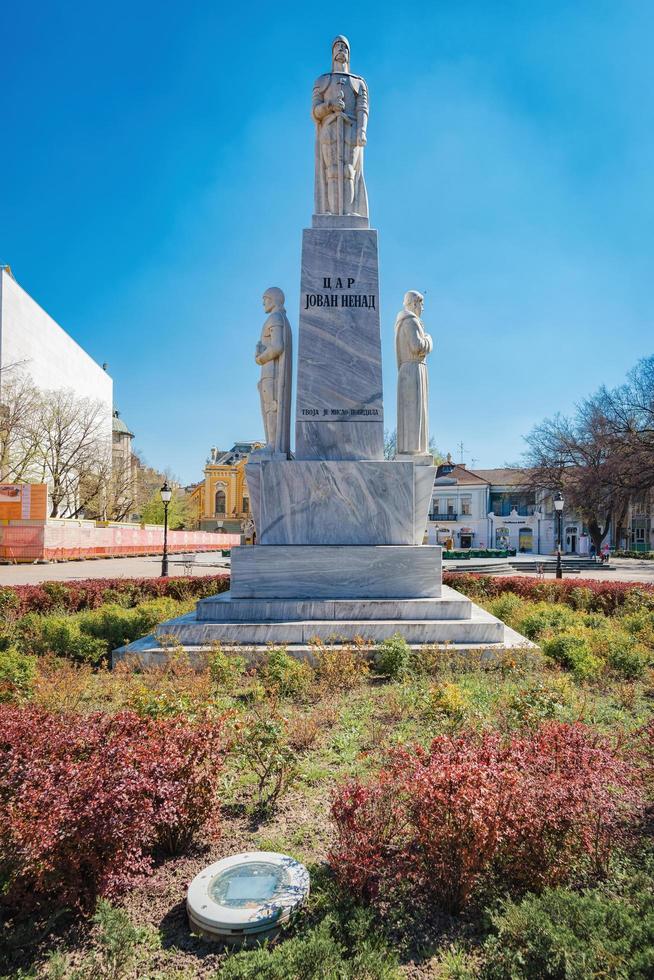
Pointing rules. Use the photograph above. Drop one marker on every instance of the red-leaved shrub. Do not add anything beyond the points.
(18, 600)
(84, 801)
(596, 596)
(436, 822)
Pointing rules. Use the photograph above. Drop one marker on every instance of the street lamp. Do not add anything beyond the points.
(558, 507)
(166, 497)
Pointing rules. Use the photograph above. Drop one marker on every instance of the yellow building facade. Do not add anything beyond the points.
(222, 501)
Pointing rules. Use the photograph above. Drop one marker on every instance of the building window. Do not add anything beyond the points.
(451, 505)
(466, 504)
(246, 505)
(639, 534)
(221, 502)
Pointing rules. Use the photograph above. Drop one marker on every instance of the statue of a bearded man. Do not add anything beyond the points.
(340, 111)
(412, 345)
(274, 354)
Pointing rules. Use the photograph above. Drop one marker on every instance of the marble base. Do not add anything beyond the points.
(225, 608)
(339, 375)
(339, 221)
(452, 620)
(336, 502)
(420, 459)
(480, 627)
(336, 572)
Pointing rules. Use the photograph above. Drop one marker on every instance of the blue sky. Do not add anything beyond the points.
(156, 173)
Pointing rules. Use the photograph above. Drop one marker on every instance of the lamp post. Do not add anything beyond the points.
(558, 506)
(166, 496)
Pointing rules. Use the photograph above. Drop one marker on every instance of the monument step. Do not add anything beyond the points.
(189, 631)
(224, 608)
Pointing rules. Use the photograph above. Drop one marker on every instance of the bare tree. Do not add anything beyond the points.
(603, 455)
(19, 404)
(72, 455)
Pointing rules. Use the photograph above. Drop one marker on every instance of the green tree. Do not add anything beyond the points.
(180, 512)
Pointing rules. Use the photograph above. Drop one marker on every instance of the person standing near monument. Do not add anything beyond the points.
(274, 354)
(412, 345)
(340, 111)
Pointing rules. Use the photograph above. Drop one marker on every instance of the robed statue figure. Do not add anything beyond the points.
(274, 354)
(340, 112)
(412, 345)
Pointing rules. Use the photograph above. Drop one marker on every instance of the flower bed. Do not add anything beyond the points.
(85, 800)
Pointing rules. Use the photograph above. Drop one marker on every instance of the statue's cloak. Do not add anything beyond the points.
(412, 344)
(321, 200)
(283, 388)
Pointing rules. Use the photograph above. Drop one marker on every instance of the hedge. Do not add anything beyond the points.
(69, 597)
(588, 594)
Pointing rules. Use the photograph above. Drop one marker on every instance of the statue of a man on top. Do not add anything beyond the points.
(340, 112)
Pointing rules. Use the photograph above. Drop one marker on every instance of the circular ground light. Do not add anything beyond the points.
(246, 895)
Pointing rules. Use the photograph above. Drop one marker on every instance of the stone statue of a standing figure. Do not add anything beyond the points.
(412, 345)
(274, 354)
(340, 112)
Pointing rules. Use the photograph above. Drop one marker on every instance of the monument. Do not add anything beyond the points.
(339, 529)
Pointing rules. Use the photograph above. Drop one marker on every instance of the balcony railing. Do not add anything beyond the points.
(443, 517)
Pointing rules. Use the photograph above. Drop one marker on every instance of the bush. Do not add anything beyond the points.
(60, 635)
(264, 749)
(541, 699)
(339, 668)
(546, 616)
(509, 608)
(572, 651)
(284, 675)
(628, 659)
(85, 800)
(606, 597)
(18, 600)
(434, 824)
(395, 658)
(225, 669)
(17, 673)
(448, 700)
(562, 934)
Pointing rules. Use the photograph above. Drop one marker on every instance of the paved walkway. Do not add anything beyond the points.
(626, 569)
(205, 564)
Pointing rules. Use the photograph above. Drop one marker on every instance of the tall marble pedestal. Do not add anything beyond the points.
(340, 530)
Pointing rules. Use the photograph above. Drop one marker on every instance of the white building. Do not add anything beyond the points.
(491, 509)
(32, 342)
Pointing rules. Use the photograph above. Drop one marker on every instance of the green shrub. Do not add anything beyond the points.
(628, 658)
(640, 624)
(326, 951)
(114, 624)
(60, 635)
(542, 699)
(395, 658)
(117, 625)
(226, 669)
(17, 672)
(566, 936)
(573, 652)
(283, 674)
(509, 608)
(546, 616)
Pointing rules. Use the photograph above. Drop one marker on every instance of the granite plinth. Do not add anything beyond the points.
(225, 608)
(336, 572)
(336, 502)
(339, 380)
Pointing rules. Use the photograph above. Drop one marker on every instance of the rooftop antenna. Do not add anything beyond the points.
(461, 449)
